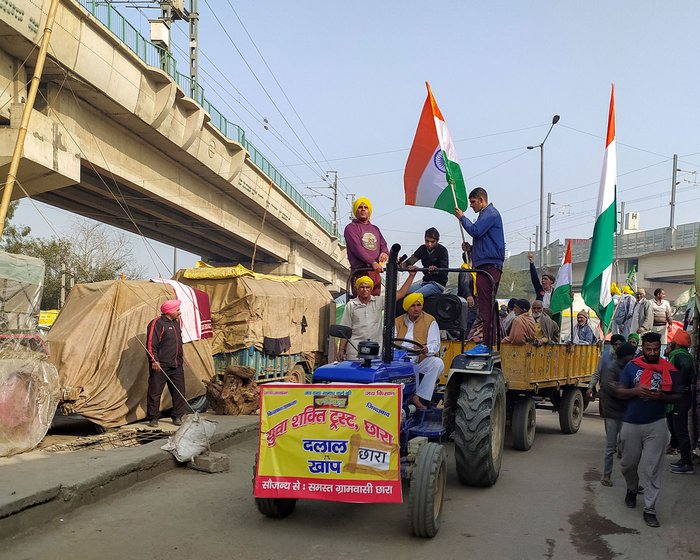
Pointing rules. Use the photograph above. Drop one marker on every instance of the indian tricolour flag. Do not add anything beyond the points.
(561, 297)
(433, 177)
(596, 280)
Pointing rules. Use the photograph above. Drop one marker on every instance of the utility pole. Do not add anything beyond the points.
(674, 184)
(335, 201)
(350, 197)
(549, 218)
(538, 242)
(193, 17)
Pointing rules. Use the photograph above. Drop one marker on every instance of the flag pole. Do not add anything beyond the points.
(461, 229)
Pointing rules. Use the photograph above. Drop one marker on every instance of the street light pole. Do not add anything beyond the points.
(555, 120)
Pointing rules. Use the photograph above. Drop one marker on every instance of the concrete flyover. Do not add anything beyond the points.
(118, 140)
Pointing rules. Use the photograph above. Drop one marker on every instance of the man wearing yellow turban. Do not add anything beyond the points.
(624, 308)
(421, 327)
(366, 246)
(364, 315)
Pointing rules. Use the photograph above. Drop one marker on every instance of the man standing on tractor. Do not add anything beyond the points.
(418, 326)
(488, 254)
(366, 246)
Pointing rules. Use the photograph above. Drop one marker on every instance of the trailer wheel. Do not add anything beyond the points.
(297, 374)
(480, 425)
(275, 508)
(427, 491)
(571, 410)
(523, 423)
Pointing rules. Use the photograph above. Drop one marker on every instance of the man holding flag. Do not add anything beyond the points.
(433, 178)
(488, 254)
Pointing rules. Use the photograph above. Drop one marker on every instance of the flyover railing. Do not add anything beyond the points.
(154, 56)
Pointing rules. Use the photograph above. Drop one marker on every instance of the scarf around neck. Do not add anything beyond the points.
(664, 367)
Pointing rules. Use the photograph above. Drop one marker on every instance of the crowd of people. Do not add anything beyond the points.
(646, 399)
(647, 384)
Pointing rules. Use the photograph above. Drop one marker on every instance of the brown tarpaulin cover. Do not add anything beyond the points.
(98, 345)
(246, 310)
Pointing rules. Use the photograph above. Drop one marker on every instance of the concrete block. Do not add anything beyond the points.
(210, 462)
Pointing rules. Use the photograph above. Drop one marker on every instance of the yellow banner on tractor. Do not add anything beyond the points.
(329, 442)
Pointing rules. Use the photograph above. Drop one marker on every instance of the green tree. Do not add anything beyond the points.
(91, 253)
(13, 235)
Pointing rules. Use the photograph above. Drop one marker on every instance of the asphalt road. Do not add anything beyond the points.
(548, 503)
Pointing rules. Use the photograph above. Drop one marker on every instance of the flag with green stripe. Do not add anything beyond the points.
(598, 276)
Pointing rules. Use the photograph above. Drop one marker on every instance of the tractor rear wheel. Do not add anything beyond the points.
(427, 491)
(571, 410)
(523, 423)
(480, 425)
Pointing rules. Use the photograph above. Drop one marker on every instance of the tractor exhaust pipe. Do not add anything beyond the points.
(392, 268)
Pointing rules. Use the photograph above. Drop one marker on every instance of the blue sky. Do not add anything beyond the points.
(355, 74)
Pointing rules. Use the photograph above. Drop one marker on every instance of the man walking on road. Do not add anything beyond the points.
(488, 253)
(164, 348)
(612, 409)
(647, 382)
(683, 361)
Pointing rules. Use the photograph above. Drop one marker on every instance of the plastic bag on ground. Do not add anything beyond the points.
(191, 439)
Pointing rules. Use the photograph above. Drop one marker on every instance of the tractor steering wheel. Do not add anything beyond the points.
(417, 346)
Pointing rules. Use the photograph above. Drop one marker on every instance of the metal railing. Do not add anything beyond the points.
(154, 56)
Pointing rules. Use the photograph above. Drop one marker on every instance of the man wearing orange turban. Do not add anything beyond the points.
(164, 348)
(366, 246)
(421, 327)
(683, 361)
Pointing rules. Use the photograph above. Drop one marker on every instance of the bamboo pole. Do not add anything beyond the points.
(26, 114)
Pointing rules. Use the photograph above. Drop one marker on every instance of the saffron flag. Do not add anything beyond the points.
(597, 279)
(433, 177)
(561, 297)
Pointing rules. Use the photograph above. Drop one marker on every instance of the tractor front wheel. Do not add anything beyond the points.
(427, 491)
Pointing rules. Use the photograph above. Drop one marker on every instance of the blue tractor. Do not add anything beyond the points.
(469, 409)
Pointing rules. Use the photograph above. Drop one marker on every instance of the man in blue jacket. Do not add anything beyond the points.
(488, 253)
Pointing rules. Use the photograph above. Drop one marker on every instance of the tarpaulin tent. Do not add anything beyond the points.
(247, 308)
(98, 345)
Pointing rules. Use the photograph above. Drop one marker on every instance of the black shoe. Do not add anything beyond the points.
(679, 463)
(153, 423)
(631, 499)
(177, 421)
(683, 469)
(651, 520)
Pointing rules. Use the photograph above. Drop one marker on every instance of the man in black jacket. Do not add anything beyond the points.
(612, 409)
(682, 359)
(164, 349)
(432, 256)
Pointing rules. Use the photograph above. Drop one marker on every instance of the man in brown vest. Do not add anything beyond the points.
(417, 325)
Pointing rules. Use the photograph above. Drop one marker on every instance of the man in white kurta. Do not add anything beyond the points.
(421, 327)
(365, 314)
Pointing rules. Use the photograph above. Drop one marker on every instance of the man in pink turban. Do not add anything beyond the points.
(164, 348)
